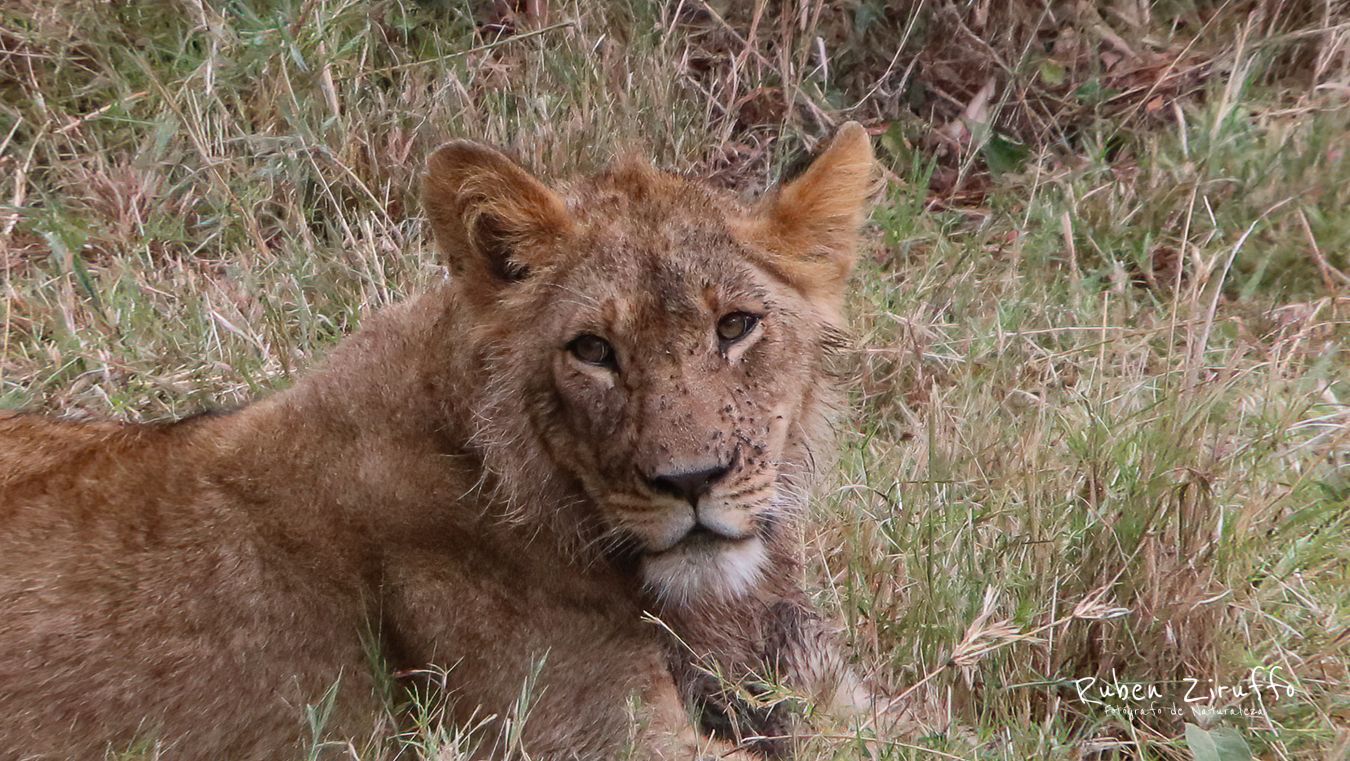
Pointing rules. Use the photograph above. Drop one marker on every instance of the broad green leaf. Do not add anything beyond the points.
(1219, 744)
(1091, 91)
(1230, 744)
(1052, 73)
(1201, 745)
(1003, 155)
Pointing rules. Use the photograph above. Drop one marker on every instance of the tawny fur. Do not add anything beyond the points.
(452, 488)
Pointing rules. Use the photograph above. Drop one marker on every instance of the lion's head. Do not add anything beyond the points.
(653, 344)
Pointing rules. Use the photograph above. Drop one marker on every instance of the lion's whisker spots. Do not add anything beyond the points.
(749, 490)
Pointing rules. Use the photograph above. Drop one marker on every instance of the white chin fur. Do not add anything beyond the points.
(720, 571)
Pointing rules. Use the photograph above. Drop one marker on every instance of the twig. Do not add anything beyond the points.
(843, 738)
(101, 110)
(1328, 271)
(198, 139)
(1089, 608)
(819, 113)
(466, 51)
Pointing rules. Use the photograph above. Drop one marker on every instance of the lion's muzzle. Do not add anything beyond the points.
(689, 485)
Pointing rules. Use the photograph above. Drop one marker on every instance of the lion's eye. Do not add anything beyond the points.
(735, 326)
(593, 350)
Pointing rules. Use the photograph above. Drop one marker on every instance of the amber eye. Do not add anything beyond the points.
(735, 326)
(593, 350)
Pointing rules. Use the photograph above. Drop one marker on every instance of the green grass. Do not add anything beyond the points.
(1100, 373)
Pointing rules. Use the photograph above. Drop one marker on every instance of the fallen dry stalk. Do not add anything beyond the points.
(983, 637)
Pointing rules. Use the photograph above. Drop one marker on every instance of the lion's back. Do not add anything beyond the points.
(33, 446)
(73, 487)
(136, 589)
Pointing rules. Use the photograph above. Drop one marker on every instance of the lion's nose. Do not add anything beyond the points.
(688, 485)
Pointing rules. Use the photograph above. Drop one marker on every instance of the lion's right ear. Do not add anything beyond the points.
(490, 217)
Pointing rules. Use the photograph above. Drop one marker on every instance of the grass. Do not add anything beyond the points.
(1100, 424)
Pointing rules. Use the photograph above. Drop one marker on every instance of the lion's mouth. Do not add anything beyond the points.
(705, 564)
(700, 538)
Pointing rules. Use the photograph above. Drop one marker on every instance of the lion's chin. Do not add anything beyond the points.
(711, 570)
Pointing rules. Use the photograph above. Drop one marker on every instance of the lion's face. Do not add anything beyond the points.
(677, 372)
(659, 349)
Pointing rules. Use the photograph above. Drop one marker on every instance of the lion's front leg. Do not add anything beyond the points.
(667, 732)
(804, 648)
(771, 672)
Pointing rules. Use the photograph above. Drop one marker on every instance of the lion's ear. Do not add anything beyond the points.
(490, 217)
(809, 226)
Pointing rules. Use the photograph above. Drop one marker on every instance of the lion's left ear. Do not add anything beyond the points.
(809, 227)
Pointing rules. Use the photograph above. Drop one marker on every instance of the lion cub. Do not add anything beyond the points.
(611, 408)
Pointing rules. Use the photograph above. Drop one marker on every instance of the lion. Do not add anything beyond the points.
(610, 411)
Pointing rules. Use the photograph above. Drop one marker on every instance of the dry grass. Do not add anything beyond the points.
(1100, 423)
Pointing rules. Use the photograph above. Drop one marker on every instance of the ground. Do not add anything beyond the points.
(1099, 433)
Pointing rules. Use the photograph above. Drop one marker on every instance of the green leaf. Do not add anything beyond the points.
(893, 141)
(1200, 744)
(1052, 73)
(1091, 92)
(864, 17)
(1230, 744)
(1003, 155)
(65, 253)
(1219, 744)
